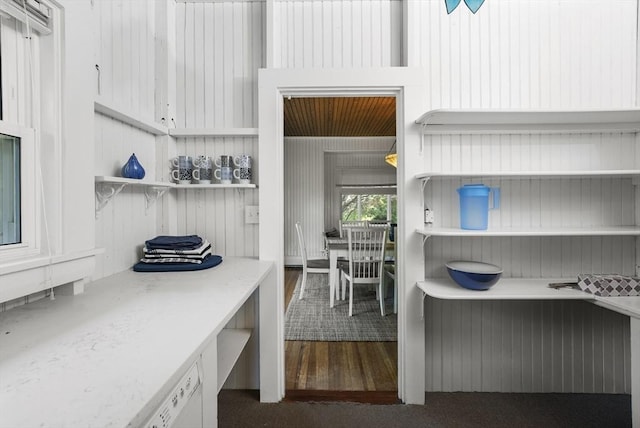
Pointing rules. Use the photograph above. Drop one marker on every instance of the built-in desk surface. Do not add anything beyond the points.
(505, 289)
(106, 358)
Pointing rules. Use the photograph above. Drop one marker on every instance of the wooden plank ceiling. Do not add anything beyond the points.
(340, 117)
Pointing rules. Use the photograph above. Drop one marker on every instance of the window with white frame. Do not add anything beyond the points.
(377, 203)
(18, 201)
(19, 117)
(10, 221)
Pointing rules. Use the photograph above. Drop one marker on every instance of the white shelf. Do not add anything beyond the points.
(132, 181)
(631, 173)
(504, 289)
(215, 186)
(508, 232)
(108, 187)
(115, 112)
(231, 342)
(629, 305)
(213, 132)
(461, 121)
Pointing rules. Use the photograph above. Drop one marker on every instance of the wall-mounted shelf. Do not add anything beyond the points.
(231, 342)
(115, 112)
(215, 186)
(512, 232)
(108, 187)
(532, 174)
(483, 122)
(505, 289)
(473, 121)
(213, 132)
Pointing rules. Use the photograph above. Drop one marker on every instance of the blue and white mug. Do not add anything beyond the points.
(243, 175)
(224, 161)
(183, 171)
(224, 174)
(242, 161)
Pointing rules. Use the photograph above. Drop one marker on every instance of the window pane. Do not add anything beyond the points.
(9, 189)
(374, 207)
(368, 207)
(349, 208)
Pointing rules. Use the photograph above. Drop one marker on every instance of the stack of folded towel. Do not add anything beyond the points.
(176, 249)
(176, 253)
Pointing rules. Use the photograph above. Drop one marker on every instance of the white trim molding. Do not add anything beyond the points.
(408, 86)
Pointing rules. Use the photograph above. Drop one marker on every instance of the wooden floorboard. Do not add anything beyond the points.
(370, 397)
(339, 371)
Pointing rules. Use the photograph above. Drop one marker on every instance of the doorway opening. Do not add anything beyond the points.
(335, 169)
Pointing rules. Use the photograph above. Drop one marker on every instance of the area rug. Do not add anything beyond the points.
(311, 319)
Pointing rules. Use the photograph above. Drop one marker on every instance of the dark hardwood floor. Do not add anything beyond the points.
(353, 371)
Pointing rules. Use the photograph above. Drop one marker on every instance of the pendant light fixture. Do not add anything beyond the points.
(392, 158)
(473, 5)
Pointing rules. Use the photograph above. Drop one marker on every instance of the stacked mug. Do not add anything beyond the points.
(226, 171)
(243, 165)
(204, 166)
(183, 171)
(200, 170)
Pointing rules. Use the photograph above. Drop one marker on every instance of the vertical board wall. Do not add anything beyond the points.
(337, 34)
(305, 178)
(219, 52)
(530, 54)
(125, 75)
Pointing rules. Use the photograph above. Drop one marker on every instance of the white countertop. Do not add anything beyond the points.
(107, 357)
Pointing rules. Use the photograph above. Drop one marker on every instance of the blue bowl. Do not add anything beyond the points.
(474, 275)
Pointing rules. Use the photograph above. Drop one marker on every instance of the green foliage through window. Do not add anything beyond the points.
(369, 207)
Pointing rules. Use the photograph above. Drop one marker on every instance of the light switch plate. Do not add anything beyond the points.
(251, 214)
(428, 216)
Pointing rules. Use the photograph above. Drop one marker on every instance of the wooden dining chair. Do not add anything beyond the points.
(366, 262)
(309, 266)
(345, 225)
(390, 270)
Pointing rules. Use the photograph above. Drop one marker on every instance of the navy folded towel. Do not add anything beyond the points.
(207, 263)
(186, 242)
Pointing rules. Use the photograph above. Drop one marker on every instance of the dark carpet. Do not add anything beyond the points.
(243, 409)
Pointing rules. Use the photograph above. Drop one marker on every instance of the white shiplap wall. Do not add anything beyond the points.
(124, 49)
(305, 177)
(517, 346)
(530, 54)
(218, 214)
(124, 223)
(125, 53)
(218, 54)
(219, 51)
(337, 34)
(527, 53)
